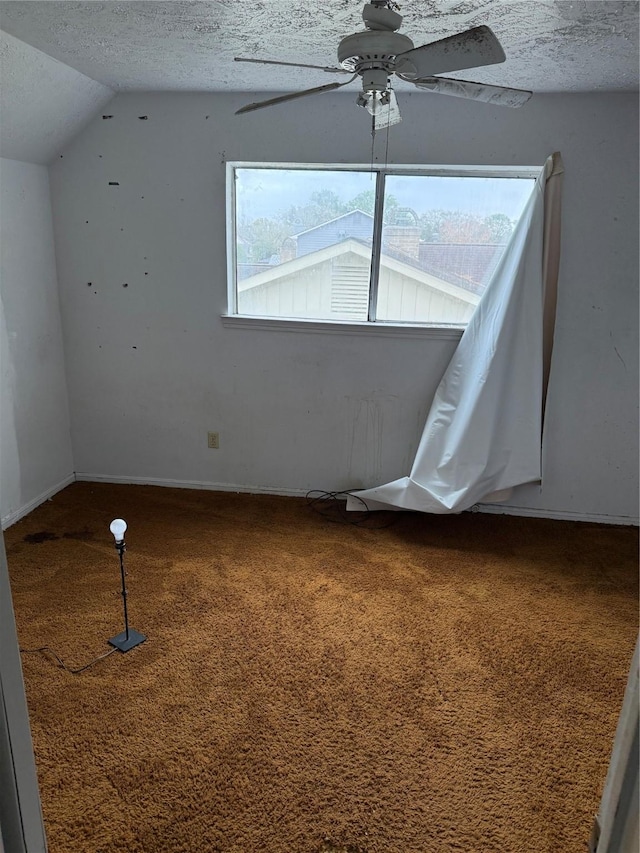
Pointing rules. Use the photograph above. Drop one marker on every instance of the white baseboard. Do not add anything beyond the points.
(193, 484)
(16, 515)
(560, 515)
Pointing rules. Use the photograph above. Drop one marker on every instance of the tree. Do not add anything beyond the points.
(464, 228)
(322, 206)
(500, 226)
(263, 238)
(366, 202)
(454, 226)
(431, 223)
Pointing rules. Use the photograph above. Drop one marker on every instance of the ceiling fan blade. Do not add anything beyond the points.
(335, 70)
(470, 49)
(499, 95)
(280, 99)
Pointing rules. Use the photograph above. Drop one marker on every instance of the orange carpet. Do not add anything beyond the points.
(440, 684)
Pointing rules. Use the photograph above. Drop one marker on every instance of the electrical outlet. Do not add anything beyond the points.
(213, 440)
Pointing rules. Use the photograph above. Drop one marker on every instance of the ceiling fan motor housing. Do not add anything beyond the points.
(372, 49)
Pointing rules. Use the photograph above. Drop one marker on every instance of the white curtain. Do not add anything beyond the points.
(484, 429)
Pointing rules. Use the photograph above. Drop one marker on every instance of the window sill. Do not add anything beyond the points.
(329, 327)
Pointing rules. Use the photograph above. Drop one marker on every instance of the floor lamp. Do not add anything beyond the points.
(129, 638)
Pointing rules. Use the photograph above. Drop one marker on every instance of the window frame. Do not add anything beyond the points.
(231, 318)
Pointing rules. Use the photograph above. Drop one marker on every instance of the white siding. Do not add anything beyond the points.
(403, 299)
(302, 294)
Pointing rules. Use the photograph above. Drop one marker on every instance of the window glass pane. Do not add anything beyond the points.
(442, 238)
(303, 243)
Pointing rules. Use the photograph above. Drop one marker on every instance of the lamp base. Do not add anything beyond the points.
(125, 645)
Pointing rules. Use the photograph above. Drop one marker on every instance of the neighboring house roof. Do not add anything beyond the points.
(273, 273)
(469, 264)
(349, 215)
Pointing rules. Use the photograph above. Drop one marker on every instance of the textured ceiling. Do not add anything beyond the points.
(573, 45)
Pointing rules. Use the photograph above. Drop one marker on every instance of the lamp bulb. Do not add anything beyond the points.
(118, 527)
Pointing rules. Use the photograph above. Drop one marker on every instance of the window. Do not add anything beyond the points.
(399, 245)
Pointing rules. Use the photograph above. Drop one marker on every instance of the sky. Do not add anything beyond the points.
(266, 192)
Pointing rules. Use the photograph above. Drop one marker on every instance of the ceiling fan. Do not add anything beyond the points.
(378, 52)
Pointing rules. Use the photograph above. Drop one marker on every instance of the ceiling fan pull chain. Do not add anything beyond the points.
(373, 135)
(386, 147)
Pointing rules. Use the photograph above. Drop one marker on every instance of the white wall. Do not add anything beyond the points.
(151, 367)
(35, 445)
(43, 102)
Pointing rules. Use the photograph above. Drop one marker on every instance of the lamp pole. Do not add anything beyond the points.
(120, 548)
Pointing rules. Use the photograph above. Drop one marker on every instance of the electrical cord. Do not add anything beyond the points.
(62, 664)
(331, 506)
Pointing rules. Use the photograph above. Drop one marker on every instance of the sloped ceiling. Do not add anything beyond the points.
(43, 103)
